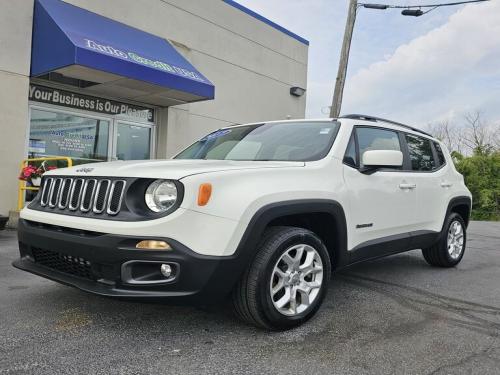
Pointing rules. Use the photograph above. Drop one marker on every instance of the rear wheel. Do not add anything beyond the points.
(449, 250)
(286, 282)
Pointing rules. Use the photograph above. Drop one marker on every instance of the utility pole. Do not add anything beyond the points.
(408, 10)
(344, 59)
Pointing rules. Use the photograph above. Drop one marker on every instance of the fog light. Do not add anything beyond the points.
(166, 270)
(153, 245)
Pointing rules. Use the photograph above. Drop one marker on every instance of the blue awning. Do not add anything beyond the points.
(120, 59)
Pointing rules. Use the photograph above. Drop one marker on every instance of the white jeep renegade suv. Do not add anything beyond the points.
(261, 212)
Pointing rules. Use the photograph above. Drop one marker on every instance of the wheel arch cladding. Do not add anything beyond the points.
(462, 206)
(325, 218)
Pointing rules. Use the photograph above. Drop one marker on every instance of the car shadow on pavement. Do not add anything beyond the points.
(74, 309)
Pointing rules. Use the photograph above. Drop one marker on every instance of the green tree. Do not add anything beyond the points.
(481, 173)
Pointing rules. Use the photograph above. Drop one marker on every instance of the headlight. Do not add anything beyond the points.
(161, 195)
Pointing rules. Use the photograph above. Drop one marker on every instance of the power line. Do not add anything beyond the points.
(387, 6)
(438, 5)
(408, 10)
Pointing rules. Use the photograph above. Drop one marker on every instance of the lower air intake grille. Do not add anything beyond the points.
(68, 264)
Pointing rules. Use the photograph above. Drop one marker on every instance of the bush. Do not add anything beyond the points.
(481, 172)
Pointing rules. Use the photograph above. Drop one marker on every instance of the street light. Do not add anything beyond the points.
(375, 6)
(412, 12)
(408, 10)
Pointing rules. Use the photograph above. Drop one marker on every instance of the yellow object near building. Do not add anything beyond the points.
(22, 184)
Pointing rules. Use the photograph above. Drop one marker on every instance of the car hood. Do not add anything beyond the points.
(171, 169)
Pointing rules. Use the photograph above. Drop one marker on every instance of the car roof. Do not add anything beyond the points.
(359, 119)
(379, 119)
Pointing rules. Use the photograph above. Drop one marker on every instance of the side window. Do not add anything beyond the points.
(440, 155)
(350, 154)
(420, 150)
(376, 139)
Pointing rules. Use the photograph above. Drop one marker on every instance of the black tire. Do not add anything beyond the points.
(437, 255)
(251, 296)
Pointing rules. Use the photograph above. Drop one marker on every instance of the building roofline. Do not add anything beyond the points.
(266, 21)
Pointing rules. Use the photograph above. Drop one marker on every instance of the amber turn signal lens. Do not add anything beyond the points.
(153, 245)
(204, 193)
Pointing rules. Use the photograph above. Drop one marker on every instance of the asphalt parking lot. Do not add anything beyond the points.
(395, 315)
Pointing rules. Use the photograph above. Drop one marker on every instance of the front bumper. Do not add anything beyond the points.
(93, 262)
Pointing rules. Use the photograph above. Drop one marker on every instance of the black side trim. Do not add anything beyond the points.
(423, 239)
(380, 247)
(391, 245)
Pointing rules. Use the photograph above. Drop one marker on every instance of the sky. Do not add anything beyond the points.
(417, 70)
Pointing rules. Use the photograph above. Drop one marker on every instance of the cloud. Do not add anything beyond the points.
(447, 71)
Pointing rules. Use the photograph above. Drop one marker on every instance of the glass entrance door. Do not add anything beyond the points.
(133, 141)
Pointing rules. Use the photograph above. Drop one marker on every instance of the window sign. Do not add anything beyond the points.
(83, 139)
(89, 103)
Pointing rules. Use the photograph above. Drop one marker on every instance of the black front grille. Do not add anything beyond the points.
(65, 263)
(70, 195)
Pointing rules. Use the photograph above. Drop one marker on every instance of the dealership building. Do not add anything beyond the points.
(98, 80)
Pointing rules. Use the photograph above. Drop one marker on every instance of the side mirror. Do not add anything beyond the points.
(375, 159)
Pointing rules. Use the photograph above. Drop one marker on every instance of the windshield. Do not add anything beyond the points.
(291, 141)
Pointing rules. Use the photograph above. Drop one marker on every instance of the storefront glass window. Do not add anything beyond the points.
(83, 139)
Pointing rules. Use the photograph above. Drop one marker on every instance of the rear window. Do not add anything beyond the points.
(421, 156)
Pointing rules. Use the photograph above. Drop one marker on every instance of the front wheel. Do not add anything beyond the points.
(286, 282)
(450, 248)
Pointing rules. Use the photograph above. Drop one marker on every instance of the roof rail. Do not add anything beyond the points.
(375, 119)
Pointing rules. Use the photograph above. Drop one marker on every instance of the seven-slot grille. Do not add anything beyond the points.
(83, 194)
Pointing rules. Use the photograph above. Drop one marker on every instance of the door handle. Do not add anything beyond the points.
(407, 186)
(446, 184)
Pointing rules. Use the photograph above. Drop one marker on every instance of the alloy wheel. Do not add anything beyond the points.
(455, 241)
(296, 279)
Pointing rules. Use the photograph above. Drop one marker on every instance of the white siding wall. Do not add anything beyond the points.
(251, 64)
(15, 55)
